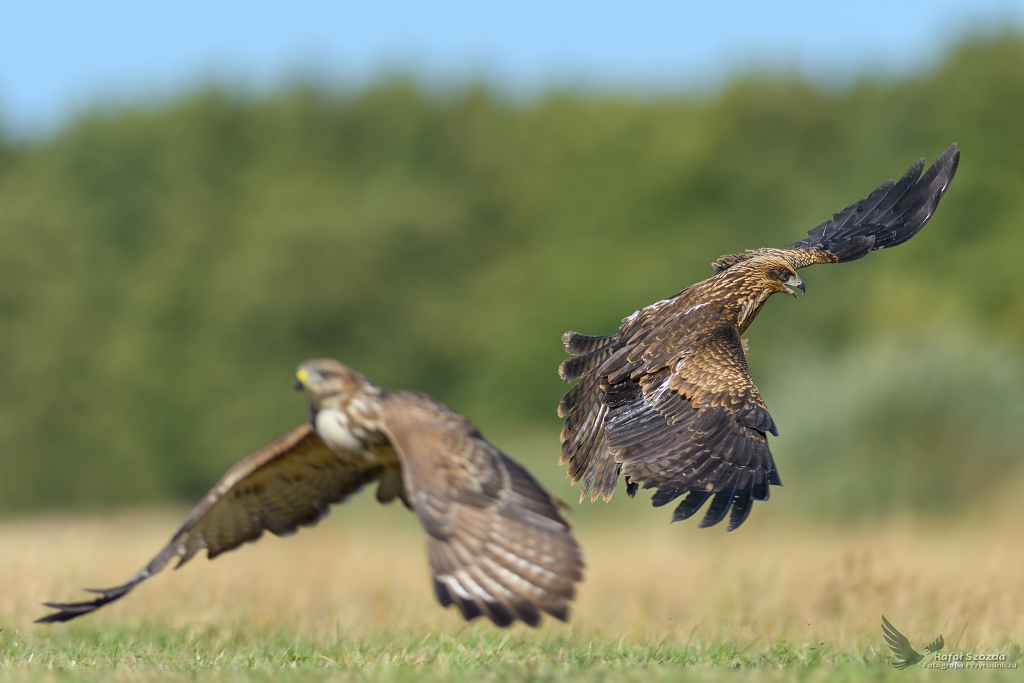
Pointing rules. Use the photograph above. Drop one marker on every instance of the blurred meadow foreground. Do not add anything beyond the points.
(165, 267)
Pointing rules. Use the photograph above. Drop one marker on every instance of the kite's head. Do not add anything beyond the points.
(749, 282)
(772, 274)
(327, 380)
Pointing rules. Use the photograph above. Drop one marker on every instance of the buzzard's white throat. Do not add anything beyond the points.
(333, 427)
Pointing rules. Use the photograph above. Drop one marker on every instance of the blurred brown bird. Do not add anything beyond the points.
(668, 400)
(496, 542)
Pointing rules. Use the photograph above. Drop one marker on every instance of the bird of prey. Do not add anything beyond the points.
(900, 646)
(668, 400)
(496, 542)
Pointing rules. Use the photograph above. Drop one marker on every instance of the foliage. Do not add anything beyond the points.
(164, 268)
(902, 425)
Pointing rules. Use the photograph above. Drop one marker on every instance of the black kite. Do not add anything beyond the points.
(668, 401)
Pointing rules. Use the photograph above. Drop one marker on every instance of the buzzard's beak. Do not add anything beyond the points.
(799, 284)
(301, 377)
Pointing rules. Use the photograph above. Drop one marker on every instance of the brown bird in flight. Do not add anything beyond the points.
(668, 400)
(496, 542)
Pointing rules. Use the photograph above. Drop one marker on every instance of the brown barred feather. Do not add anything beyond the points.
(290, 482)
(498, 545)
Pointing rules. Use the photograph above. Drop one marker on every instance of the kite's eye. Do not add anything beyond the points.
(324, 374)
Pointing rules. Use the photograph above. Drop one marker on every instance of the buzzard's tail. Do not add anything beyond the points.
(511, 565)
(889, 216)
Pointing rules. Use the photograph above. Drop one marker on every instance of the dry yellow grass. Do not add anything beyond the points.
(363, 570)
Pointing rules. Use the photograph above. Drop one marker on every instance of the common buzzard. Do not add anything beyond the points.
(496, 542)
(668, 400)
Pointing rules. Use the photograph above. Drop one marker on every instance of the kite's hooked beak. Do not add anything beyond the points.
(301, 377)
(794, 281)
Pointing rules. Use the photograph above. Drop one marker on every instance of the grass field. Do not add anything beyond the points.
(350, 600)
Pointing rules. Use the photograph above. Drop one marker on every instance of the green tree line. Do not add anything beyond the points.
(163, 268)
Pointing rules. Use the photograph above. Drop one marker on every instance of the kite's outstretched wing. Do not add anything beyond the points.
(889, 216)
(900, 646)
(694, 427)
(290, 482)
(495, 539)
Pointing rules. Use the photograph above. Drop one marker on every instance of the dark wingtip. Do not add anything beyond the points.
(718, 509)
(501, 615)
(50, 618)
(531, 622)
(66, 611)
(664, 497)
(559, 611)
(689, 506)
(441, 591)
(892, 214)
(742, 504)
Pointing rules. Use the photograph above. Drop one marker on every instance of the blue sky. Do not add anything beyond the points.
(59, 57)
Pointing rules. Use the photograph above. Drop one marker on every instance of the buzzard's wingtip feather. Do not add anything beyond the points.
(560, 612)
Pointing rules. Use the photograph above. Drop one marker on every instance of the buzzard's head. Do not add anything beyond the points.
(327, 380)
(775, 275)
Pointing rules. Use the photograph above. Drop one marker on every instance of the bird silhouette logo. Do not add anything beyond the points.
(900, 646)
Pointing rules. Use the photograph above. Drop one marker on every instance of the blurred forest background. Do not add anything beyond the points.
(164, 268)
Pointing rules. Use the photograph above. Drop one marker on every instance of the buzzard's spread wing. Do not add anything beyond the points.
(288, 483)
(889, 216)
(497, 544)
(900, 646)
